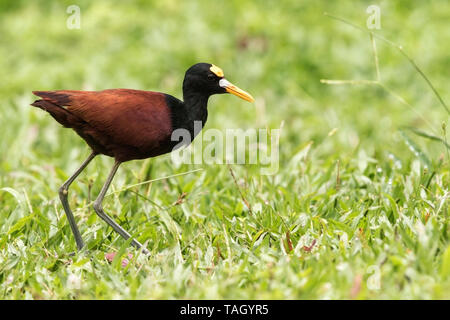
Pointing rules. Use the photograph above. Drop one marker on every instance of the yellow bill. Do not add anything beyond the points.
(231, 88)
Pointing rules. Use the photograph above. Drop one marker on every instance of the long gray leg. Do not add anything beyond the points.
(63, 192)
(99, 209)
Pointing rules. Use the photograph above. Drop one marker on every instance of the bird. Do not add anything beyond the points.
(129, 124)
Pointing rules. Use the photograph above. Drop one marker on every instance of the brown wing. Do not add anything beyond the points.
(129, 124)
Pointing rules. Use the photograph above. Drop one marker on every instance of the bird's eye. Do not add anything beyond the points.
(211, 76)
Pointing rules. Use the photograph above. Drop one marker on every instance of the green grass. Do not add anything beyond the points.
(370, 194)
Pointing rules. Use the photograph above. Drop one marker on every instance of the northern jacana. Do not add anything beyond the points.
(132, 124)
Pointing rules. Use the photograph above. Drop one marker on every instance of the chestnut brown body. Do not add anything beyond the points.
(122, 123)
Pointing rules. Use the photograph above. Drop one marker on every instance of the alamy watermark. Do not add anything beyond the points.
(234, 146)
(374, 19)
(74, 20)
(374, 280)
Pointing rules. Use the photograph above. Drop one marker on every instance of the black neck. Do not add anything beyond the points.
(195, 106)
(186, 114)
(195, 109)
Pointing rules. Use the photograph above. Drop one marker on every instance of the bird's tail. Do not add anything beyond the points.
(60, 114)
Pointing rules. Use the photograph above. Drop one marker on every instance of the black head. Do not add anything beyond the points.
(207, 79)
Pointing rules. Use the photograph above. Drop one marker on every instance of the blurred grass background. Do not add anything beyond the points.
(387, 209)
